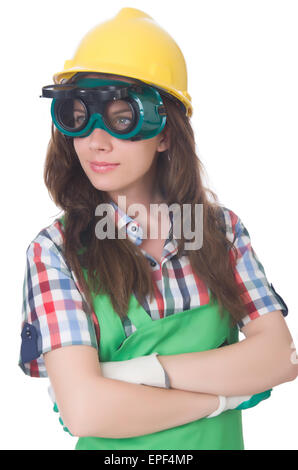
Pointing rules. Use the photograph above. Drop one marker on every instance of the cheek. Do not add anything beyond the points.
(78, 146)
(141, 154)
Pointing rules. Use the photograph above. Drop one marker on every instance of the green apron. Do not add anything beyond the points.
(198, 329)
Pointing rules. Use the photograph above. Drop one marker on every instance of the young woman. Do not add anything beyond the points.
(151, 322)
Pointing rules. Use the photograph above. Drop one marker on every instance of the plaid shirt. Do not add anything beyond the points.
(53, 313)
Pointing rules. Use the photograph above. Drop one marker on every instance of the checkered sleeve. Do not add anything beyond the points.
(54, 310)
(259, 295)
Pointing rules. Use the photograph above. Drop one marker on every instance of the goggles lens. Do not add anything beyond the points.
(73, 115)
(119, 115)
(125, 110)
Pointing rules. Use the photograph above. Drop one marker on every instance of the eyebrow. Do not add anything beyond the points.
(116, 112)
(121, 111)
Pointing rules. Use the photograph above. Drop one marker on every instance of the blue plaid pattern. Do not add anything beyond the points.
(54, 308)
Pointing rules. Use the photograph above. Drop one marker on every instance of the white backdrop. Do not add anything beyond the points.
(242, 76)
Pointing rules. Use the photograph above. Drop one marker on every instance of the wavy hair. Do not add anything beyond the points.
(117, 267)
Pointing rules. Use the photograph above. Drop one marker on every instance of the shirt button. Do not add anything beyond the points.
(28, 333)
(133, 227)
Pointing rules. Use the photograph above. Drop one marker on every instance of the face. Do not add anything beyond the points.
(134, 175)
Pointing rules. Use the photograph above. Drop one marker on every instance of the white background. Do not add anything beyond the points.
(242, 76)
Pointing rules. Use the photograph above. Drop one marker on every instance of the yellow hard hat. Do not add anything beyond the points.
(133, 45)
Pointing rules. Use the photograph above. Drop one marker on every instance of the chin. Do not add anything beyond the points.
(103, 187)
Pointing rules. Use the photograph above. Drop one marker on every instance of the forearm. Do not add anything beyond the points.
(117, 409)
(251, 366)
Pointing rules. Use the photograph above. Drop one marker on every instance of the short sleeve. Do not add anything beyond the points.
(259, 295)
(54, 310)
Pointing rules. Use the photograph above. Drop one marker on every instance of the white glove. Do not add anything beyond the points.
(239, 402)
(53, 398)
(51, 394)
(144, 370)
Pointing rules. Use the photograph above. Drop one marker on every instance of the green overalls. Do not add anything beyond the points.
(198, 329)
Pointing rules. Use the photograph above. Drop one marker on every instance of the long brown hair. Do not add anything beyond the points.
(117, 267)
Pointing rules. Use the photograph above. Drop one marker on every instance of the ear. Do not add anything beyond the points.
(164, 140)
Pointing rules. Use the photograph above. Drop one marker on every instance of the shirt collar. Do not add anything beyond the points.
(134, 229)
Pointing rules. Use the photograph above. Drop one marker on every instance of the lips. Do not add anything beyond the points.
(103, 163)
(104, 167)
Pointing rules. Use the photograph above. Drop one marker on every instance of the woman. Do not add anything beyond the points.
(151, 324)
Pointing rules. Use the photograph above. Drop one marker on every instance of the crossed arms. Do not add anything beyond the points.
(109, 408)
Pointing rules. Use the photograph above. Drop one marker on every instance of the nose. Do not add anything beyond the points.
(99, 139)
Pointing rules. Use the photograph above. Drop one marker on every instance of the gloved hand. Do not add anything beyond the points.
(239, 402)
(145, 370)
(52, 396)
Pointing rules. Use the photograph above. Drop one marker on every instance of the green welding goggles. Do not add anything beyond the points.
(125, 110)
